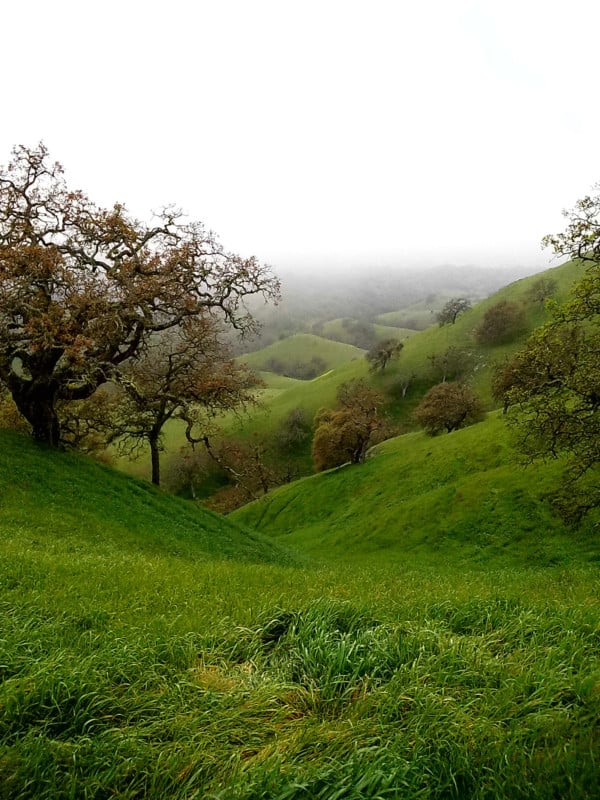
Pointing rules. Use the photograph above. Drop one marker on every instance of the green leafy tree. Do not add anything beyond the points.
(448, 407)
(453, 364)
(83, 289)
(554, 382)
(543, 289)
(382, 353)
(449, 313)
(346, 433)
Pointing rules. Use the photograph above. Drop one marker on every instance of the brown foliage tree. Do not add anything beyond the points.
(83, 289)
(500, 323)
(184, 374)
(251, 469)
(448, 406)
(347, 433)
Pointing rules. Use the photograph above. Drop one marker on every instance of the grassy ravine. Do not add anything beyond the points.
(462, 495)
(136, 662)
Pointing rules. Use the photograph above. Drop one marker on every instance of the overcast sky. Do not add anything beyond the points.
(319, 133)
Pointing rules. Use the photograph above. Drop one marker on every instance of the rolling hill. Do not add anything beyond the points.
(52, 501)
(283, 395)
(151, 650)
(462, 494)
(285, 356)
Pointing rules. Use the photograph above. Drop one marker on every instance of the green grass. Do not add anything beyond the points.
(301, 348)
(462, 493)
(57, 501)
(335, 329)
(139, 662)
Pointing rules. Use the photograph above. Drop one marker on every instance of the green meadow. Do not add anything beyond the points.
(395, 630)
(419, 626)
(301, 348)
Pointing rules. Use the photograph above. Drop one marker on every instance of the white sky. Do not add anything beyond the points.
(319, 133)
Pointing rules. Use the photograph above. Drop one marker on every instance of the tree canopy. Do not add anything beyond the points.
(345, 434)
(553, 383)
(83, 288)
(501, 323)
(184, 374)
(382, 352)
(451, 310)
(448, 406)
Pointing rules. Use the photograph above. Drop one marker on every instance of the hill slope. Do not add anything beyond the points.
(300, 348)
(460, 494)
(51, 499)
(133, 664)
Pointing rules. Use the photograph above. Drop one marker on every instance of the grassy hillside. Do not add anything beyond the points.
(134, 664)
(339, 330)
(416, 316)
(460, 493)
(300, 349)
(52, 502)
(281, 396)
(414, 359)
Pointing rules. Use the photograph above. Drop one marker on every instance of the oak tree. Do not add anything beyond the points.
(346, 433)
(454, 363)
(382, 352)
(448, 406)
(554, 383)
(83, 289)
(501, 323)
(185, 374)
(542, 289)
(451, 310)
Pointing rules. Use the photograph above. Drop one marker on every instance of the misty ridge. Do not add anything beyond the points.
(310, 297)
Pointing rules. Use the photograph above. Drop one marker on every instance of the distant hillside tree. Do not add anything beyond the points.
(84, 289)
(542, 289)
(554, 386)
(455, 363)
(345, 434)
(451, 310)
(402, 383)
(382, 353)
(294, 430)
(501, 323)
(505, 375)
(252, 469)
(448, 407)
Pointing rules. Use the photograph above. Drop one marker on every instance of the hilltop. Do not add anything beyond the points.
(302, 355)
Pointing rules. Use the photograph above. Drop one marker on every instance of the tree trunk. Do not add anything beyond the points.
(155, 455)
(35, 401)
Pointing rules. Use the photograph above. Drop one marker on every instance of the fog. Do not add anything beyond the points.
(319, 136)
